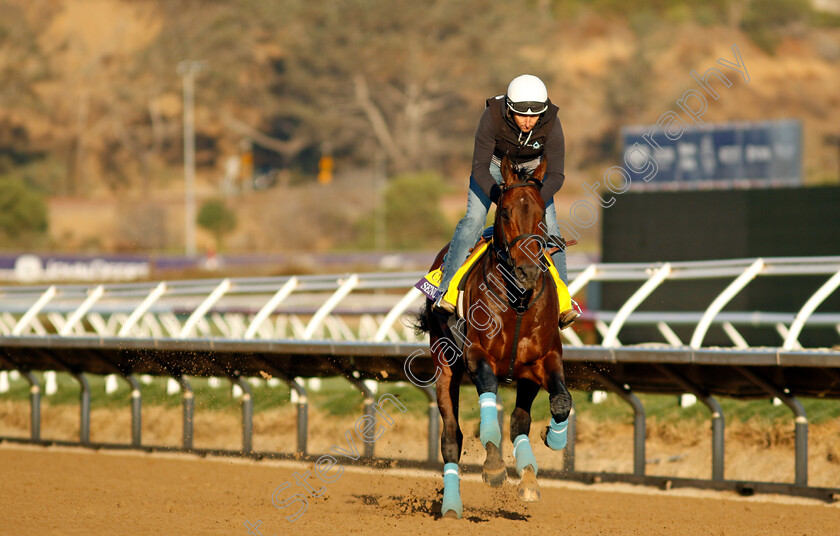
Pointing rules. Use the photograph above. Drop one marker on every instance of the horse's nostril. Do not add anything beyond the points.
(527, 274)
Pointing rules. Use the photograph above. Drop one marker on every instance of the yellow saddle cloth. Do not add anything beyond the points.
(451, 295)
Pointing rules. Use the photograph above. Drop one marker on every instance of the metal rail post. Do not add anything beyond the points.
(136, 410)
(136, 400)
(302, 415)
(187, 401)
(627, 395)
(434, 423)
(34, 400)
(302, 404)
(569, 451)
(368, 401)
(189, 410)
(800, 422)
(84, 407)
(234, 376)
(302, 411)
(247, 412)
(718, 420)
(84, 397)
(34, 406)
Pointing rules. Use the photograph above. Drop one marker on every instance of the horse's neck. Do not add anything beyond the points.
(501, 281)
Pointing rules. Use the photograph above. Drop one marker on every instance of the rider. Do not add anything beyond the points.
(523, 125)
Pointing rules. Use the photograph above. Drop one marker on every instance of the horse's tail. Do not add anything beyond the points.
(420, 322)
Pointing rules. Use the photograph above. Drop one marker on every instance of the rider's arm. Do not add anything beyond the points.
(555, 153)
(485, 143)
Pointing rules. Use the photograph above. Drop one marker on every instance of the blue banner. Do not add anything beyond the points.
(727, 155)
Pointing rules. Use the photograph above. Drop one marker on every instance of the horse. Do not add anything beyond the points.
(509, 330)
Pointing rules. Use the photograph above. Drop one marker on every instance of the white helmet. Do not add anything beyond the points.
(526, 95)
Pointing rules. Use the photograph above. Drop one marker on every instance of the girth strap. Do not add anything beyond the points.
(519, 315)
(520, 312)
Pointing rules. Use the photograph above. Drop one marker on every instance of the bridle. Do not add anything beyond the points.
(502, 246)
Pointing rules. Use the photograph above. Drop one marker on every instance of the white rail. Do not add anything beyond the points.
(377, 307)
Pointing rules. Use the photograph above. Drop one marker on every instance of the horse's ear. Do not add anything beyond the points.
(508, 177)
(539, 173)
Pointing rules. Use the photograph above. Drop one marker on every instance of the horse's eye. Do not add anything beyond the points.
(505, 215)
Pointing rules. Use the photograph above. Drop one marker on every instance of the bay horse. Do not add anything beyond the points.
(509, 330)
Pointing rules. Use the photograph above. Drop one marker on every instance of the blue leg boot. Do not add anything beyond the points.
(489, 431)
(526, 466)
(523, 454)
(555, 437)
(491, 438)
(452, 506)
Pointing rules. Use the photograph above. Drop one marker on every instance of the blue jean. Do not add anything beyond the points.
(469, 230)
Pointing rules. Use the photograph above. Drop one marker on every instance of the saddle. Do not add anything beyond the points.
(429, 283)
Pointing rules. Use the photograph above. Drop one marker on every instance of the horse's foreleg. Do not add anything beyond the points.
(487, 386)
(451, 440)
(520, 426)
(560, 404)
(490, 434)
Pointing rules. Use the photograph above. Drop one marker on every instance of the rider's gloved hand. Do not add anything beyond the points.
(495, 193)
(557, 241)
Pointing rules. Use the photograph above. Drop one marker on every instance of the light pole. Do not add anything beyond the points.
(188, 69)
(834, 139)
(379, 179)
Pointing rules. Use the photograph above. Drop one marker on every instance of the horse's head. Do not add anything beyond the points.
(518, 234)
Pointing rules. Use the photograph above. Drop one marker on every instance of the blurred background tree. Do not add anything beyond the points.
(767, 22)
(217, 218)
(23, 215)
(411, 217)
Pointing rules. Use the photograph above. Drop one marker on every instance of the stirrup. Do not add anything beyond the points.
(568, 317)
(441, 306)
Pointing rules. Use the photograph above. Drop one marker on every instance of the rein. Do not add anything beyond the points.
(502, 253)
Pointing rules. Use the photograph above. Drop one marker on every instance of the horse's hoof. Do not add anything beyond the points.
(495, 472)
(495, 478)
(529, 489)
(450, 514)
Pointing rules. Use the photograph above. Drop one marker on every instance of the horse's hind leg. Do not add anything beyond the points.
(451, 440)
(490, 434)
(520, 427)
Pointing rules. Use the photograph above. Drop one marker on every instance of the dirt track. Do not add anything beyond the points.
(72, 491)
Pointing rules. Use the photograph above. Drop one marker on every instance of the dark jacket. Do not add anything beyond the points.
(498, 135)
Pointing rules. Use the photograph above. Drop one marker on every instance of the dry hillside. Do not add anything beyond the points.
(92, 107)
